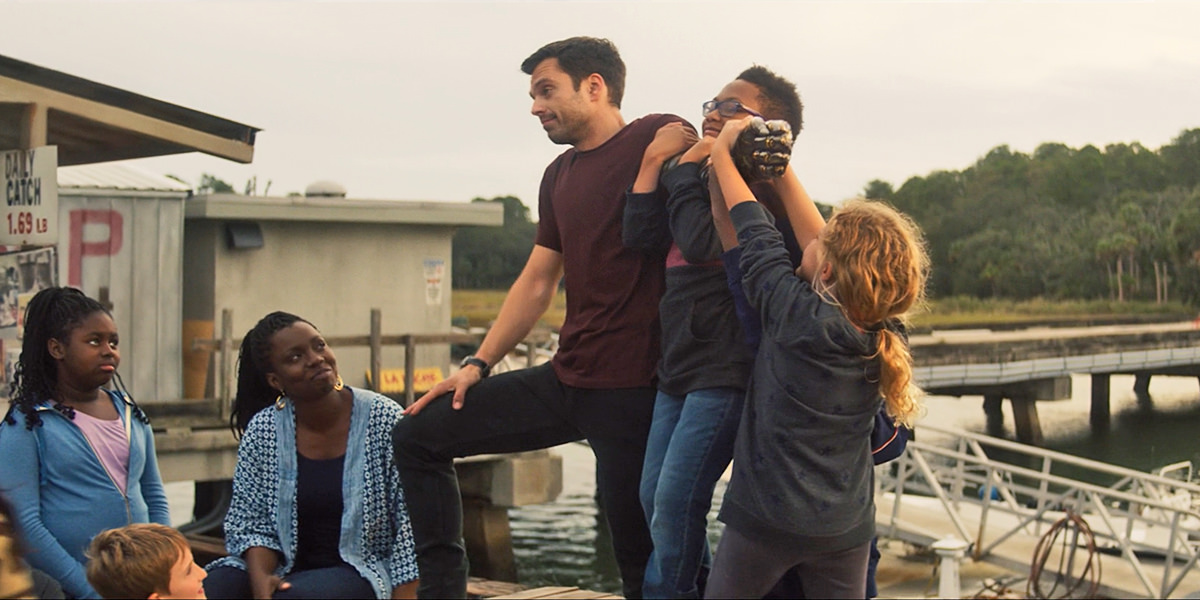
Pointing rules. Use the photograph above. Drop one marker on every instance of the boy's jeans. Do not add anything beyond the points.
(690, 446)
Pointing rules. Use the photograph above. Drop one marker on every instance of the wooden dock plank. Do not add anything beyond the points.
(542, 592)
(585, 594)
(478, 587)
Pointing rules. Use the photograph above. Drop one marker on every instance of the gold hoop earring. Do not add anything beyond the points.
(339, 385)
(279, 403)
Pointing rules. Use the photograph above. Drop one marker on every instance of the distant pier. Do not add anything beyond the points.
(1032, 365)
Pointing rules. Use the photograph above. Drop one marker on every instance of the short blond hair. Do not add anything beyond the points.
(134, 561)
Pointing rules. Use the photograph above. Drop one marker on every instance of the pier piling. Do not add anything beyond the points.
(1025, 418)
(1101, 411)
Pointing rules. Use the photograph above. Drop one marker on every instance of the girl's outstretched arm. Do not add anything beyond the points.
(720, 216)
(734, 189)
(802, 212)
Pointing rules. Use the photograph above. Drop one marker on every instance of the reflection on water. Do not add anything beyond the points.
(563, 543)
(560, 544)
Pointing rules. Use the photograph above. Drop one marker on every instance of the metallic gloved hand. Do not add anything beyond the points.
(763, 149)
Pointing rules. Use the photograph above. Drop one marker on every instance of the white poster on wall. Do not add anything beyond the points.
(435, 271)
(22, 275)
(30, 197)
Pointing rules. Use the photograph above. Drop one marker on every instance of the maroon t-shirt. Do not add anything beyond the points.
(610, 338)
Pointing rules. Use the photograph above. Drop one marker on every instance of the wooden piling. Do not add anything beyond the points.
(488, 538)
(376, 342)
(228, 377)
(1025, 417)
(1101, 409)
(993, 408)
(1141, 383)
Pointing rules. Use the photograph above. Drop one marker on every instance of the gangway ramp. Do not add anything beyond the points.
(1003, 498)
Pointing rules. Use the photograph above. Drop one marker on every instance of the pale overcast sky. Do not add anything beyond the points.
(426, 101)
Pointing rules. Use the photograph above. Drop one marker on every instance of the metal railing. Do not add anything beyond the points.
(990, 501)
(536, 348)
(226, 346)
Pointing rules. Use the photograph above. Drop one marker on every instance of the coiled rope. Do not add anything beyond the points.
(1064, 535)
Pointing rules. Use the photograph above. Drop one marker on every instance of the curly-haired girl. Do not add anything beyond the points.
(831, 351)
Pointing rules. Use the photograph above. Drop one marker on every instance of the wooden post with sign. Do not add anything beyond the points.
(376, 349)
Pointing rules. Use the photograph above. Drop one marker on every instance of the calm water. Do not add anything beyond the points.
(560, 543)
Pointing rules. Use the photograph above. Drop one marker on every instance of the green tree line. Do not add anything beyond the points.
(1122, 223)
(487, 258)
(1062, 223)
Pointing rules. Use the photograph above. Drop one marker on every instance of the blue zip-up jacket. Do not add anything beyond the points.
(63, 496)
(376, 537)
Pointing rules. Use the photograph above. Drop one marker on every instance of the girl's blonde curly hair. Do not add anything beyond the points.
(880, 267)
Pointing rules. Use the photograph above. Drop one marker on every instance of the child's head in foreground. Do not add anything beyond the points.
(143, 560)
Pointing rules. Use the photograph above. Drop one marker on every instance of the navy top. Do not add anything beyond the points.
(319, 512)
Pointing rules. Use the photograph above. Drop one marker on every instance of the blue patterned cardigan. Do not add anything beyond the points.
(376, 536)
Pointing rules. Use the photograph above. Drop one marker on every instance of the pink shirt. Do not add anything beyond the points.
(109, 441)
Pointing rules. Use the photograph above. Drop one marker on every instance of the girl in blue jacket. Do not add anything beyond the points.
(78, 457)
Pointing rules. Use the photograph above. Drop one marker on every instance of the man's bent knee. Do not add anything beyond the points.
(409, 442)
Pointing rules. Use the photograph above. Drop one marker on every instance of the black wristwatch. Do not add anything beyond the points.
(479, 363)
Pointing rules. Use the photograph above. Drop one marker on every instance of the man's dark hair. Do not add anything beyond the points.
(582, 56)
(778, 96)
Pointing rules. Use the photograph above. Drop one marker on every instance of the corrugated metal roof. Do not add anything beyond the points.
(117, 176)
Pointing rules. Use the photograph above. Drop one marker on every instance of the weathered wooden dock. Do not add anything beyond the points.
(208, 548)
(483, 588)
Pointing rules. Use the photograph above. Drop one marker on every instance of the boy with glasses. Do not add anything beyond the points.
(706, 358)
(709, 334)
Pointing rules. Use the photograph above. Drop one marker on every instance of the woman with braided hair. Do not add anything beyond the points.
(79, 456)
(317, 510)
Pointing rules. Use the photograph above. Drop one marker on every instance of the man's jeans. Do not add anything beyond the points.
(690, 446)
(519, 411)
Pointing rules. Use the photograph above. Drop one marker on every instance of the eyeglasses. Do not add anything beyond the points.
(727, 108)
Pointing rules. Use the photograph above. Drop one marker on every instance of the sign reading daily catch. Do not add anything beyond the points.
(30, 206)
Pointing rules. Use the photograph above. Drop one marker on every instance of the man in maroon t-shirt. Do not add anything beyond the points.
(600, 384)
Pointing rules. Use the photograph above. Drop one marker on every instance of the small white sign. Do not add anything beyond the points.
(435, 270)
(30, 188)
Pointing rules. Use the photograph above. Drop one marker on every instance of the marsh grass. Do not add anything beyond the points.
(480, 307)
(962, 311)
